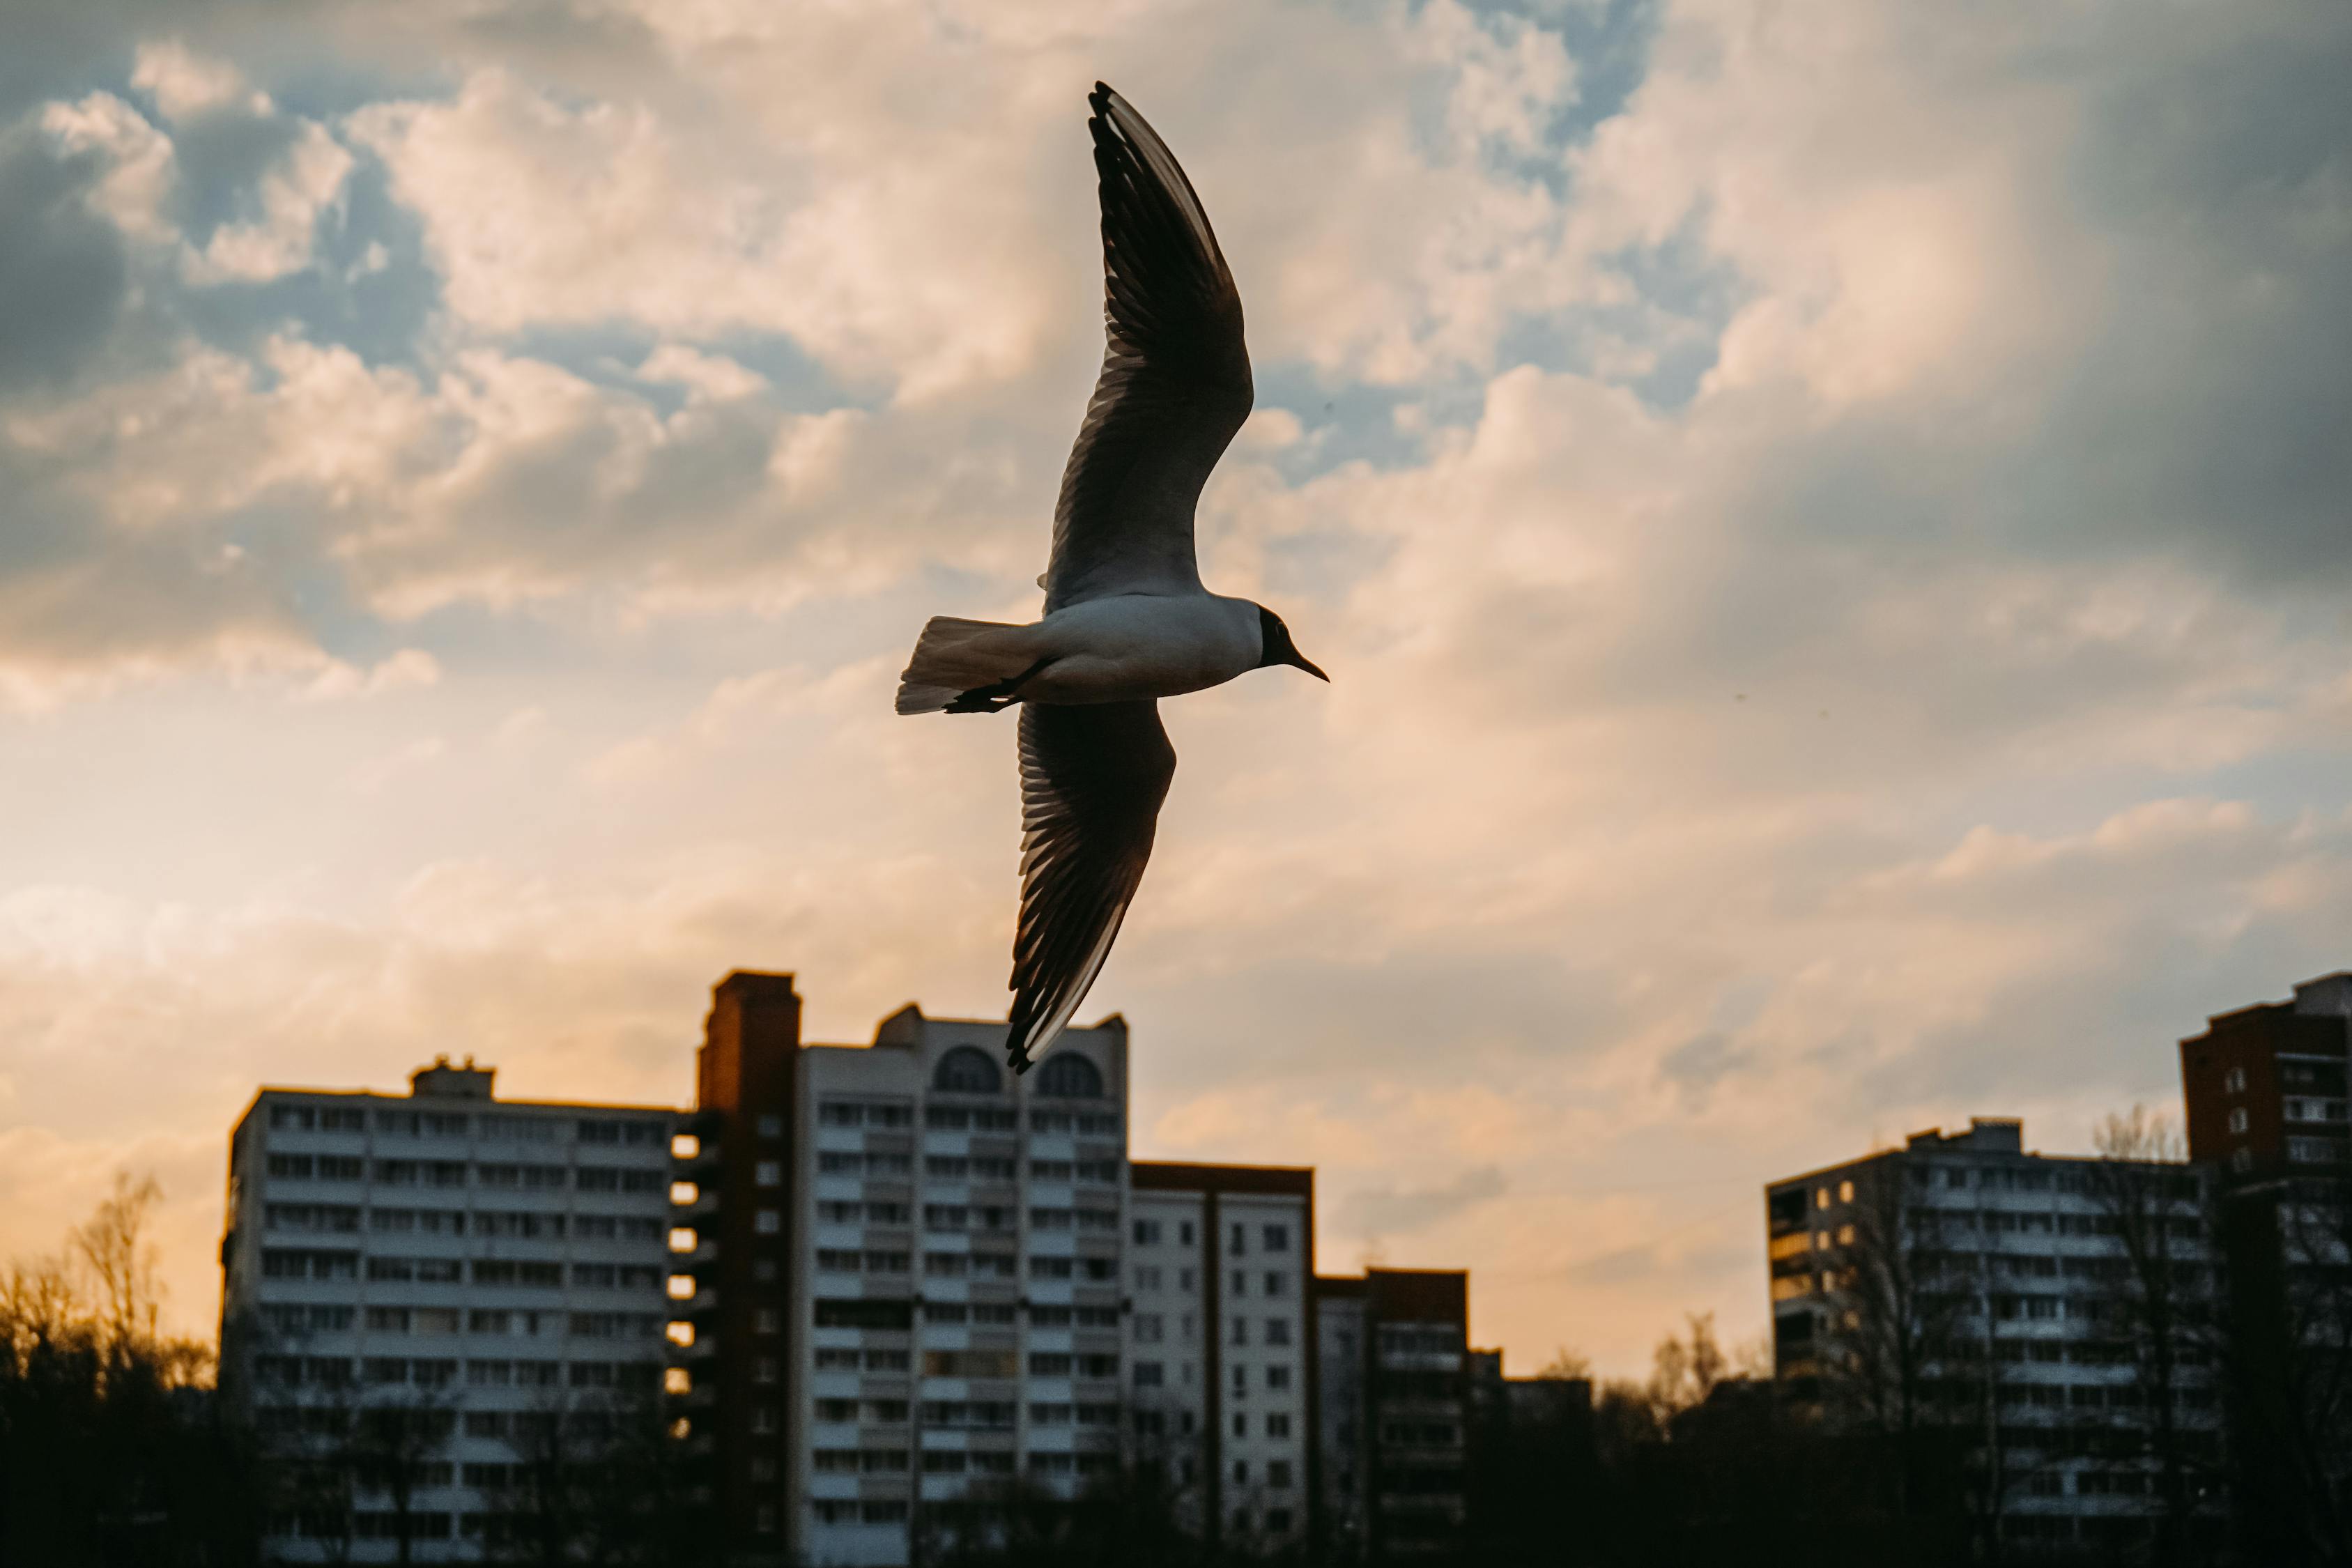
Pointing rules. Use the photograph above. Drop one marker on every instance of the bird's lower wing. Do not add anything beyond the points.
(1092, 780)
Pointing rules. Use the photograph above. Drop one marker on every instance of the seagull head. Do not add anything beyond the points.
(1274, 646)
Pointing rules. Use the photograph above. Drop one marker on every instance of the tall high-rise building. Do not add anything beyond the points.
(740, 1220)
(1393, 1352)
(2265, 1086)
(2265, 1091)
(421, 1294)
(915, 1290)
(2036, 1311)
(1223, 1375)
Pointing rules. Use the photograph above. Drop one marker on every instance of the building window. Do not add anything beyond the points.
(1146, 1232)
(1845, 1192)
(1240, 1331)
(1277, 1330)
(2234, 1081)
(1240, 1478)
(967, 1071)
(1069, 1076)
(768, 1222)
(768, 1173)
(1276, 1377)
(770, 1127)
(1147, 1374)
(1184, 1233)
(2238, 1119)
(1277, 1282)
(1277, 1474)
(1277, 1425)
(2243, 1160)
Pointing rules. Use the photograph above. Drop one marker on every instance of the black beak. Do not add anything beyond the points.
(1299, 659)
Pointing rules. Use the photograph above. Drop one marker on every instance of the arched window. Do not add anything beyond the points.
(967, 1071)
(1069, 1076)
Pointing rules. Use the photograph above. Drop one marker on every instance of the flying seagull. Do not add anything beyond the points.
(1127, 621)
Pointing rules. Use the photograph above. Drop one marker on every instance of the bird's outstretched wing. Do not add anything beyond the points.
(1175, 382)
(1092, 778)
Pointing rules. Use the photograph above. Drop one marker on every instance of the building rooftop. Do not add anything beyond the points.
(1169, 1175)
(1986, 1134)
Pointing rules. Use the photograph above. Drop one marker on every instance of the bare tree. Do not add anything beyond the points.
(2160, 1310)
(397, 1444)
(2289, 1360)
(600, 1477)
(1909, 1353)
(111, 1448)
(1898, 1303)
(113, 1245)
(1566, 1365)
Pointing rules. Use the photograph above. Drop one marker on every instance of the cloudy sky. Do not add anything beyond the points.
(1828, 521)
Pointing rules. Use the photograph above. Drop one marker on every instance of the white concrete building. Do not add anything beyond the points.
(1220, 1268)
(958, 1271)
(497, 1269)
(2008, 1273)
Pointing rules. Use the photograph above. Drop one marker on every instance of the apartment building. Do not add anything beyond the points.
(1393, 1358)
(2005, 1295)
(2265, 1086)
(492, 1273)
(1222, 1346)
(2265, 1091)
(907, 1276)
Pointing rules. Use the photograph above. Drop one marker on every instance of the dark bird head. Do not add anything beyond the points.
(1274, 646)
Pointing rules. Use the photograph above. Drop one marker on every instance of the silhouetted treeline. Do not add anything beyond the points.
(111, 1448)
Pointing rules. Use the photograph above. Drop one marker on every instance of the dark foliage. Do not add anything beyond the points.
(112, 1448)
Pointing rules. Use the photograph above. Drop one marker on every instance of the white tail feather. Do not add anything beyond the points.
(954, 656)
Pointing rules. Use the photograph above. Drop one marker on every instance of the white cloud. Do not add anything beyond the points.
(141, 169)
(712, 376)
(538, 212)
(186, 85)
(408, 670)
(301, 187)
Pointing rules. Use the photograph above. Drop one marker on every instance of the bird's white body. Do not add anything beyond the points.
(1136, 646)
(1121, 647)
